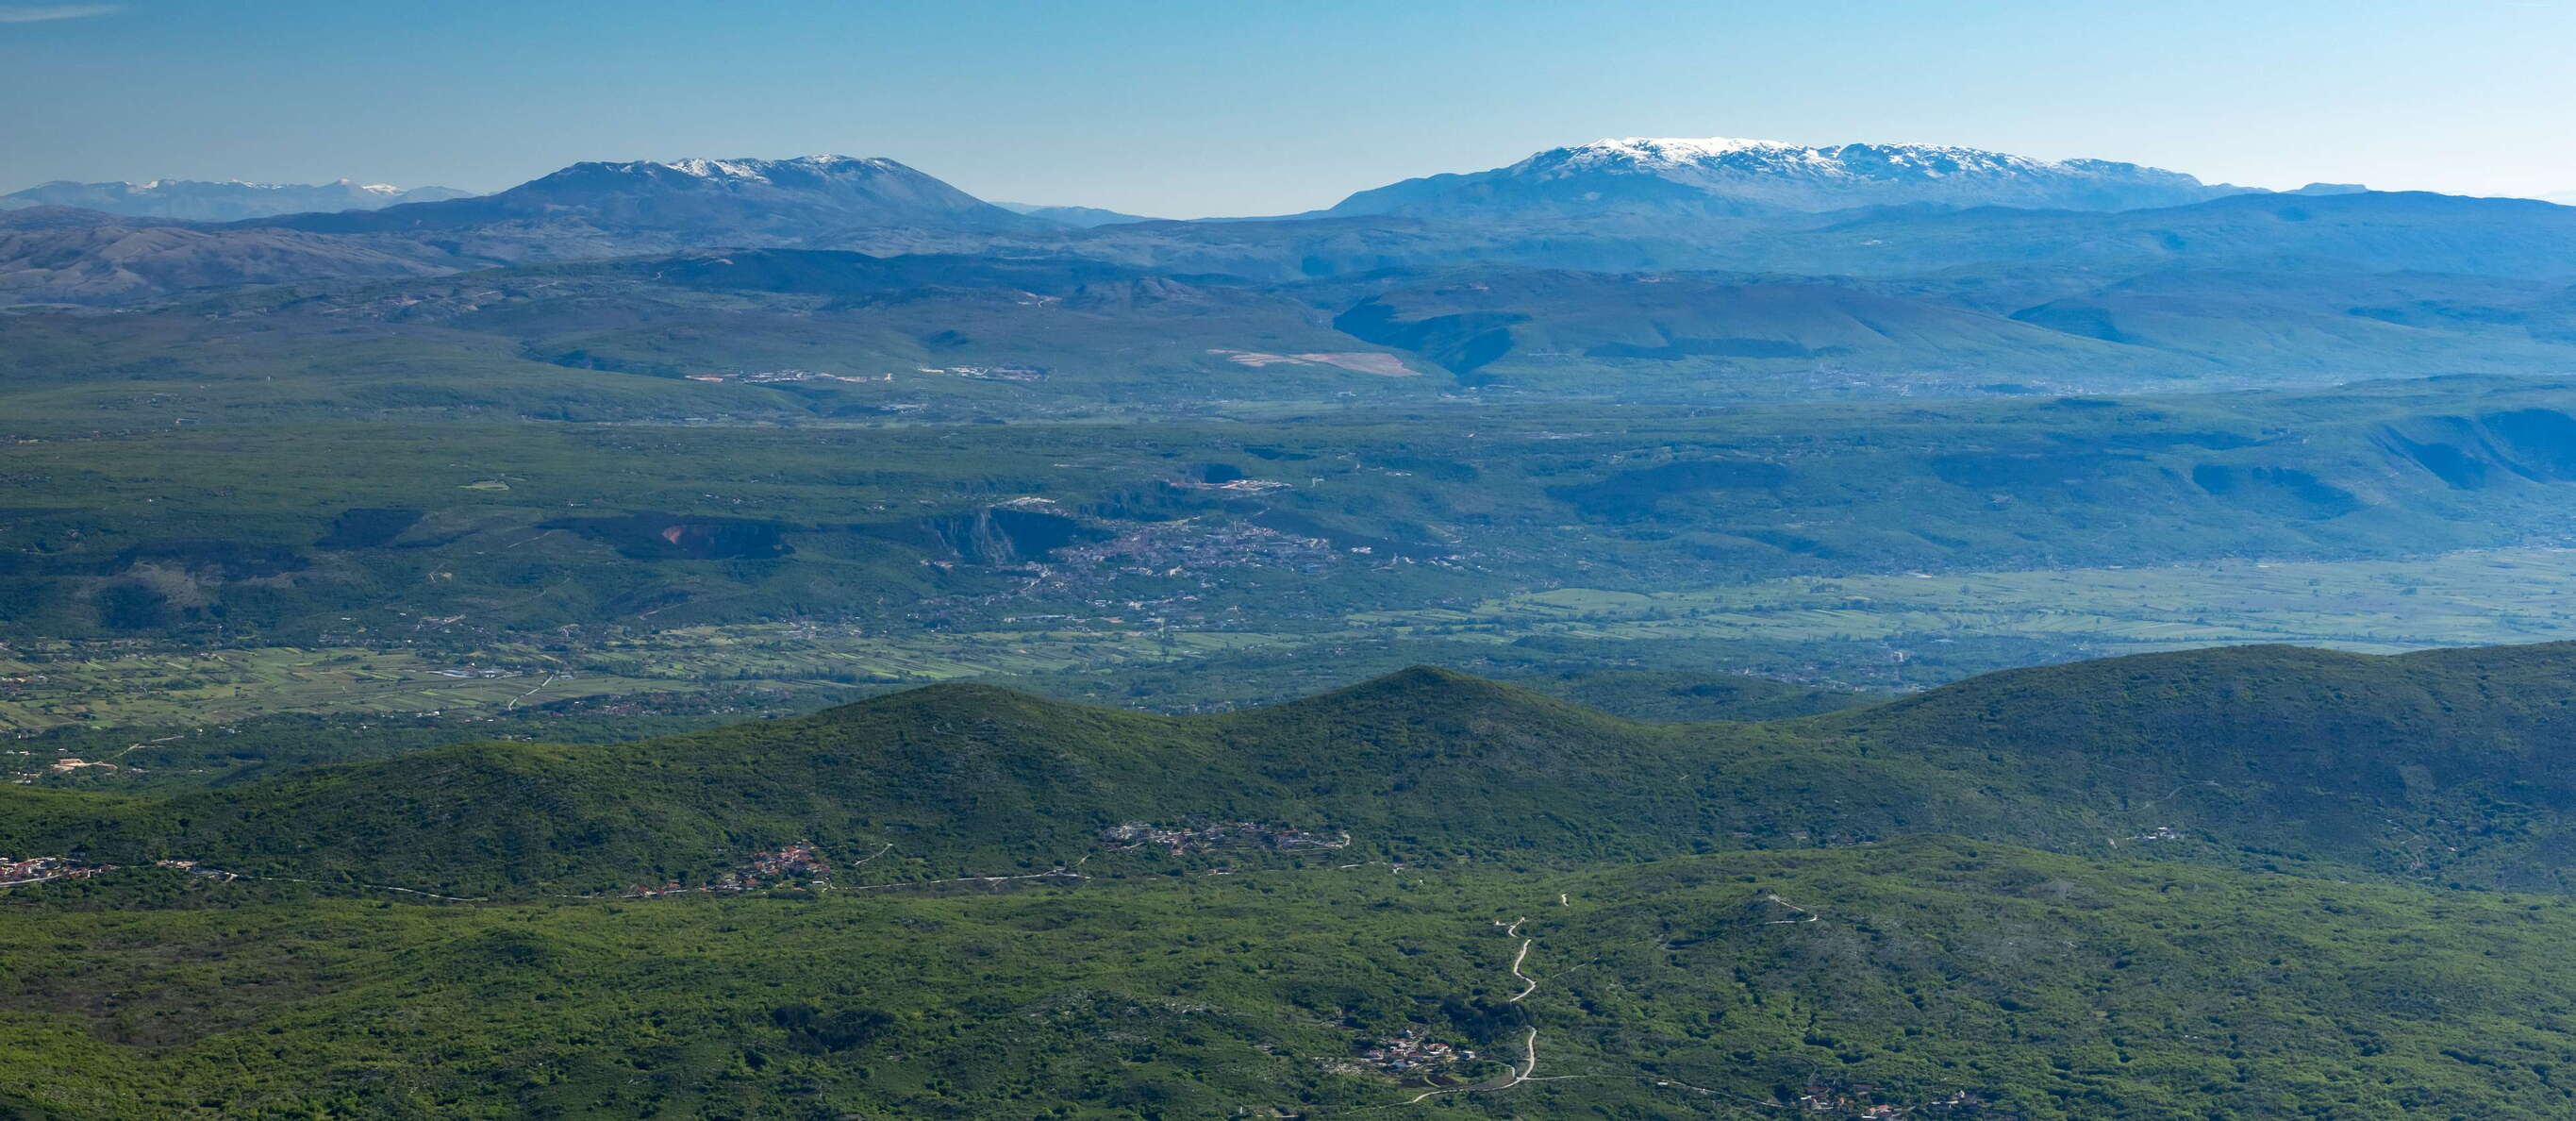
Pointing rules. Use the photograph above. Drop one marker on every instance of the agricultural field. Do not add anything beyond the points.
(2464, 598)
(61, 684)
(1854, 632)
(222, 686)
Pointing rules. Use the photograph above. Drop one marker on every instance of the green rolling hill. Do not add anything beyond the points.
(2437, 767)
(1969, 903)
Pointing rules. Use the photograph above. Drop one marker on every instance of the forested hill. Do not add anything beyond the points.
(2450, 765)
(2439, 766)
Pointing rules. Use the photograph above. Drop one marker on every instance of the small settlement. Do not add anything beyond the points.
(1858, 1100)
(38, 869)
(1414, 1054)
(782, 868)
(1186, 838)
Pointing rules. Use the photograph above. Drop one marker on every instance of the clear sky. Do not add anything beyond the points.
(1240, 107)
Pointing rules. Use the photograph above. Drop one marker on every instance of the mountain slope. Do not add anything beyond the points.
(2335, 324)
(2368, 232)
(221, 202)
(1572, 325)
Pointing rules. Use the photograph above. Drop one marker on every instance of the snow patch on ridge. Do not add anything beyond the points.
(760, 171)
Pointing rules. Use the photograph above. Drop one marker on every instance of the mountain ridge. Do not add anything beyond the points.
(1617, 206)
(2203, 751)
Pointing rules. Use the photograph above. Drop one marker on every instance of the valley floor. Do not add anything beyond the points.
(1877, 632)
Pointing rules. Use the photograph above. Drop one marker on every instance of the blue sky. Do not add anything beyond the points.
(1236, 107)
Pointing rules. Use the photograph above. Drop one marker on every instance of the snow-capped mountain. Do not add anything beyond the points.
(1722, 175)
(230, 201)
(706, 202)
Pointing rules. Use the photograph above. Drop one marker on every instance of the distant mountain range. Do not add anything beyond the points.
(200, 201)
(1626, 206)
(58, 254)
(1080, 217)
(1727, 176)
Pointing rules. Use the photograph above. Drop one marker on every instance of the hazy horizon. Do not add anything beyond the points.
(1168, 110)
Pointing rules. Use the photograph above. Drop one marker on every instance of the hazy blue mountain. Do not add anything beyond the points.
(2357, 233)
(780, 199)
(57, 254)
(2337, 324)
(203, 201)
(1580, 324)
(1973, 226)
(2372, 231)
(1722, 176)
(1080, 217)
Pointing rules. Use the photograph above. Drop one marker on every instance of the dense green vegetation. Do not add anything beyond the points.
(2429, 768)
(2041, 987)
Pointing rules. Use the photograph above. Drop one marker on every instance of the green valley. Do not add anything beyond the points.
(1478, 624)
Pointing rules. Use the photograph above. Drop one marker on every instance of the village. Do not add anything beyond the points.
(782, 868)
(1186, 838)
(1858, 1100)
(776, 377)
(790, 865)
(1413, 1054)
(38, 869)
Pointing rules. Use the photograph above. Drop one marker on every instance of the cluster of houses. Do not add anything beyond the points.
(1182, 838)
(773, 377)
(790, 864)
(1852, 1101)
(1414, 1054)
(1855, 1101)
(38, 869)
(42, 868)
